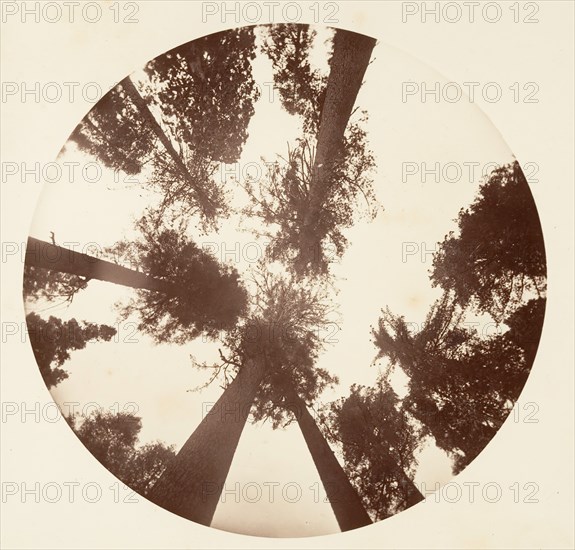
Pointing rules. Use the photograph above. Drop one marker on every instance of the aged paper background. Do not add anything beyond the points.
(104, 52)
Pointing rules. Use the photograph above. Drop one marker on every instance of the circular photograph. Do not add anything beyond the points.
(285, 281)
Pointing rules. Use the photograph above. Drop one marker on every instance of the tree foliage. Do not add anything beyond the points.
(525, 326)
(498, 253)
(44, 284)
(195, 113)
(206, 92)
(199, 194)
(283, 198)
(123, 134)
(301, 88)
(209, 296)
(308, 205)
(284, 331)
(461, 386)
(378, 440)
(52, 341)
(116, 134)
(112, 438)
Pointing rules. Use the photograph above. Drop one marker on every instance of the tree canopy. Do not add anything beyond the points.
(284, 331)
(209, 295)
(283, 197)
(498, 253)
(197, 106)
(203, 92)
(45, 284)
(123, 134)
(113, 440)
(206, 91)
(52, 341)
(301, 88)
(525, 326)
(116, 134)
(378, 439)
(310, 200)
(461, 386)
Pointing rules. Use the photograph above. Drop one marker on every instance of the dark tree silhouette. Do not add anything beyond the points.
(192, 293)
(44, 284)
(378, 440)
(116, 134)
(185, 177)
(270, 357)
(285, 329)
(192, 483)
(345, 502)
(525, 327)
(209, 297)
(198, 104)
(206, 92)
(498, 254)
(70, 271)
(283, 197)
(191, 486)
(351, 54)
(289, 315)
(301, 88)
(123, 134)
(461, 386)
(313, 194)
(52, 341)
(113, 440)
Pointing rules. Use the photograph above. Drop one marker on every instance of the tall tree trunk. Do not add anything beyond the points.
(412, 493)
(351, 54)
(44, 255)
(145, 112)
(345, 502)
(193, 481)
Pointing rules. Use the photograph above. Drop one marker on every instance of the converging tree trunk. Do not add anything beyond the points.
(44, 255)
(145, 112)
(193, 481)
(412, 493)
(345, 502)
(351, 54)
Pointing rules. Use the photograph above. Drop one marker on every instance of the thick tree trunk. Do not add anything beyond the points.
(44, 255)
(145, 112)
(351, 54)
(345, 502)
(193, 481)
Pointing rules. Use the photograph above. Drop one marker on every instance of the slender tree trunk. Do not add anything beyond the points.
(345, 502)
(412, 493)
(44, 255)
(193, 481)
(351, 54)
(145, 112)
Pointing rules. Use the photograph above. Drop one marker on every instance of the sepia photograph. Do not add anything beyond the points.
(252, 275)
(287, 275)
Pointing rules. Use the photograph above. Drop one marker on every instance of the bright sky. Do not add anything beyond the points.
(373, 273)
